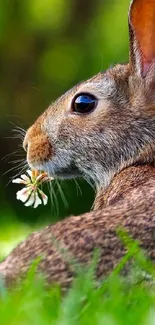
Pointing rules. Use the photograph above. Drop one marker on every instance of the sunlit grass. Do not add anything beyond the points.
(116, 300)
(11, 235)
(12, 232)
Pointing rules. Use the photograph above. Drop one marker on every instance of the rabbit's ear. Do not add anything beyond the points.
(142, 36)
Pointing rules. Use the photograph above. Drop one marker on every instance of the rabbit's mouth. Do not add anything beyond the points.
(67, 174)
(56, 170)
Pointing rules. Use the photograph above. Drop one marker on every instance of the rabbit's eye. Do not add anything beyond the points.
(84, 103)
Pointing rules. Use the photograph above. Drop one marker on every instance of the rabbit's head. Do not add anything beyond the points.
(106, 123)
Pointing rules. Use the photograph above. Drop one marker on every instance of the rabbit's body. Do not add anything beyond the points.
(104, 130)
(128, 203)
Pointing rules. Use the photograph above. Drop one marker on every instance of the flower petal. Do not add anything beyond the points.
(23, 194)
(48, 179)
(43, 196)
(18, 181)
(31, 200)
(37, 201)
(29, 172)
(25, 178)
(41, 177)
(35, 173)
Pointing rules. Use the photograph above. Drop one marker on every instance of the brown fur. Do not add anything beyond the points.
(114, 147)
(41, 146)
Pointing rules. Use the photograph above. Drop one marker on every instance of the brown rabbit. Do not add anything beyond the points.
(104, 130)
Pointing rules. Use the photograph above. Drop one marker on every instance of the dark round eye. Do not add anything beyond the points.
(84, 103)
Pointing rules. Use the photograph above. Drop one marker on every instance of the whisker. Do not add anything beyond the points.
(20, 154)
(78, 188)
(53, 196)
(20, 128)
(21, 171)
(62, 194)
(14, 168)
(9, 154)
(90, 182)
(14, 116)
(18, 133)
(14, 137)
(19, 163)
(19, 136)
(17, 126)
(16, 161)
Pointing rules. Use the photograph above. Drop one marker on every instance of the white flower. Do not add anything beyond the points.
(31, 194)
(23, 194)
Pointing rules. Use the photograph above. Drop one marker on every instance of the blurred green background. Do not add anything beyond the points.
(46, 47)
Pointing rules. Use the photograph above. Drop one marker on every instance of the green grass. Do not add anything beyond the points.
(116, 300)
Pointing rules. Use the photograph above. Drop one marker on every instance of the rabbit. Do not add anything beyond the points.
(103, 130)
